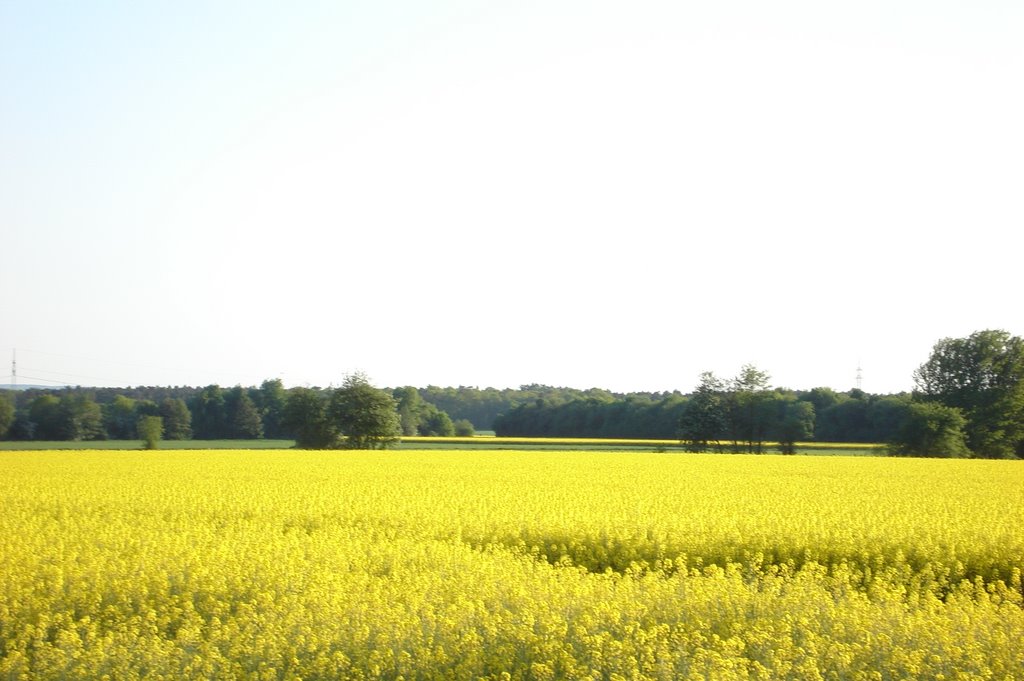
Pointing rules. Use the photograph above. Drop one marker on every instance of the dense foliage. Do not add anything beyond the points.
(716, 411)
(983, 377)
(209, 413)
(969, 402)
(366, 417)
(526, 565)
(354, 416)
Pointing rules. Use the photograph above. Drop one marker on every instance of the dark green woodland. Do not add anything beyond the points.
(968, 400)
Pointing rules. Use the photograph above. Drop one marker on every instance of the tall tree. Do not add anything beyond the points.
(794, 421)
(703, 418)
(81, 418)
(6, 414)
(983, 376)
(885, 417)
(930, 429)
(45, 414)
(150, 430)
(366, 416)
(434, 422)
(410, 406)
(209, 415)
(177, 418)
(271, 398)
(750, 412)
(821, 398)
(119, 418)
(73, 416)
(844, 421)
(305, 418)
(243, 418)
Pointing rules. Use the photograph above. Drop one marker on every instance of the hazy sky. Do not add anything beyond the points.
(618, 195)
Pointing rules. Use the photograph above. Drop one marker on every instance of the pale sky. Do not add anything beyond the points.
(585, 194)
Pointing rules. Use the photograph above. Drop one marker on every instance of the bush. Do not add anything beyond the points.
(931, 429)
(151, 429)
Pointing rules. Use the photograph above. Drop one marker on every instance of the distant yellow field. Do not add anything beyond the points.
(639, 442)
(506, 564)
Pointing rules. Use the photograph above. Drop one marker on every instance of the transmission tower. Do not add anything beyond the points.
(860, 375)
(14, 368)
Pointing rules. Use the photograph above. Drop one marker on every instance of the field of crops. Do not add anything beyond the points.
(475, 442)
(505, 564)
(623, 444)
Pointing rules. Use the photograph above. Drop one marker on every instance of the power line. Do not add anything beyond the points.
(62, 373)
(220, 373)
(46, 380)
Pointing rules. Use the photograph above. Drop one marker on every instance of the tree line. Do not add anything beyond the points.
(215, 412)
(483, 406)
(212, 413)
(968, 401)
(741, 413)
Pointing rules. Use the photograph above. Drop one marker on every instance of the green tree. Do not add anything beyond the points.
(703, 419)
(418, 417)
(271, 399)
(885, 417)
(931, 429)
(410, 406)
(45, 414)
(750, 411)
(146, 407)
(6, 414)
(464, 428)
(983, 376)
(844, 421)
(305, 418)
(434, 422)
(366, 416)
(794, 422)
(209, 414)
(73, 416)
(821, 398)
(23, 428)
(150, 430)
(119, 418)
(82, 418)
(177, 418)
(243, 418)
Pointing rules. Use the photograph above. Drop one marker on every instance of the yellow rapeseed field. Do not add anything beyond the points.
(508, 565)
